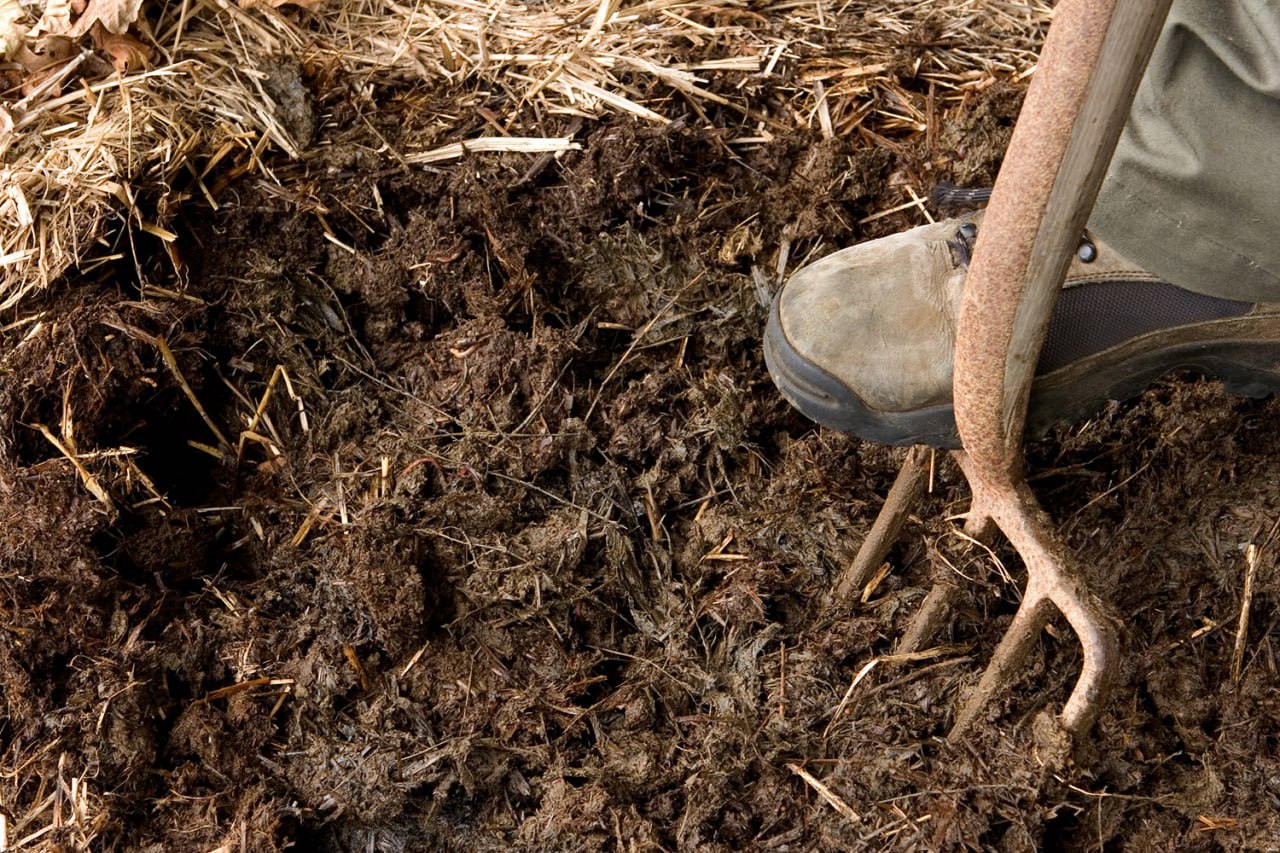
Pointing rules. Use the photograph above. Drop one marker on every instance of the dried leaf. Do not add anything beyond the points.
(6, 132)
(115, 15)
(40, 76)
(12, 32)
(50, 51)
(126, 52)
(56, 19)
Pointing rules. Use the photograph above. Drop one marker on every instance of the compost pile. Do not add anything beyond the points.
(388, 462)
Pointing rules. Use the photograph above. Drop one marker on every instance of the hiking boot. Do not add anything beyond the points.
(862, 340)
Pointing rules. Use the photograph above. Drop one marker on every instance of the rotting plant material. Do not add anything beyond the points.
(437, 607)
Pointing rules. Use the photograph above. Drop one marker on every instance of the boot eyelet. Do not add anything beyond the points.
(1087, 252)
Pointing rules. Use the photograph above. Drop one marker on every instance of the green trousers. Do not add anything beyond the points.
(1193, 192)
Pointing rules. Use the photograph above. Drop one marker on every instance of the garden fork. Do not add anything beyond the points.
(1075, 108)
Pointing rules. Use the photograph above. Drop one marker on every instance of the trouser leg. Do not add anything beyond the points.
(1193, 192)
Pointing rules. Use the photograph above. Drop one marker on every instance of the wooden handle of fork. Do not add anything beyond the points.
(1075, 108)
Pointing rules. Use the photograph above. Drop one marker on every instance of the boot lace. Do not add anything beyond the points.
(946, 197)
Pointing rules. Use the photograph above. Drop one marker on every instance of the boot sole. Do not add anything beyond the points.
(1243, 353)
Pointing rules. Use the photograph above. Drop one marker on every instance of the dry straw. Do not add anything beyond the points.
(87, 144)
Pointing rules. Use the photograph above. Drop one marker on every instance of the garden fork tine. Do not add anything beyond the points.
(1075, 108)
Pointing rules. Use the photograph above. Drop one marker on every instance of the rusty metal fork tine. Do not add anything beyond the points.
(1072, 117)
(903, 497)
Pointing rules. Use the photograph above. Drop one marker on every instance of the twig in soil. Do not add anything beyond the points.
(928, 217)
(876, 661)
(902, 499)
(916, 201)
(90, 482)
(542, 399)
(823, 110)
(547, 157)
(1246, 608)
(1252, 557)
(1114, 488)
(350, 365)
(1209, 823)
(131, 469)
(1108, 795)
(1207, 626)
(700, 502)
(278, 374)
(782, 681)
(106, 706)
(718, 553)
(275, 457)
(300, 535)
(353, 658)
(894, 828)
(784, 255)
(973, 533)
(172, 364)
(232, 689)
(494, 145)
(413, 661)
(894, 684)
(693, 691)
(70, 804)
(553, 496)
(635, 341)
(826, 793)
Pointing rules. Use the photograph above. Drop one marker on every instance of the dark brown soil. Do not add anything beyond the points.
(536, 560)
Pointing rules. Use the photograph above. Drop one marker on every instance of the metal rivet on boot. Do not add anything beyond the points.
(1087, 252)
(968, 231)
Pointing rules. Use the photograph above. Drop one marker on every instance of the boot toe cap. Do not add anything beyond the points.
(861, 340)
